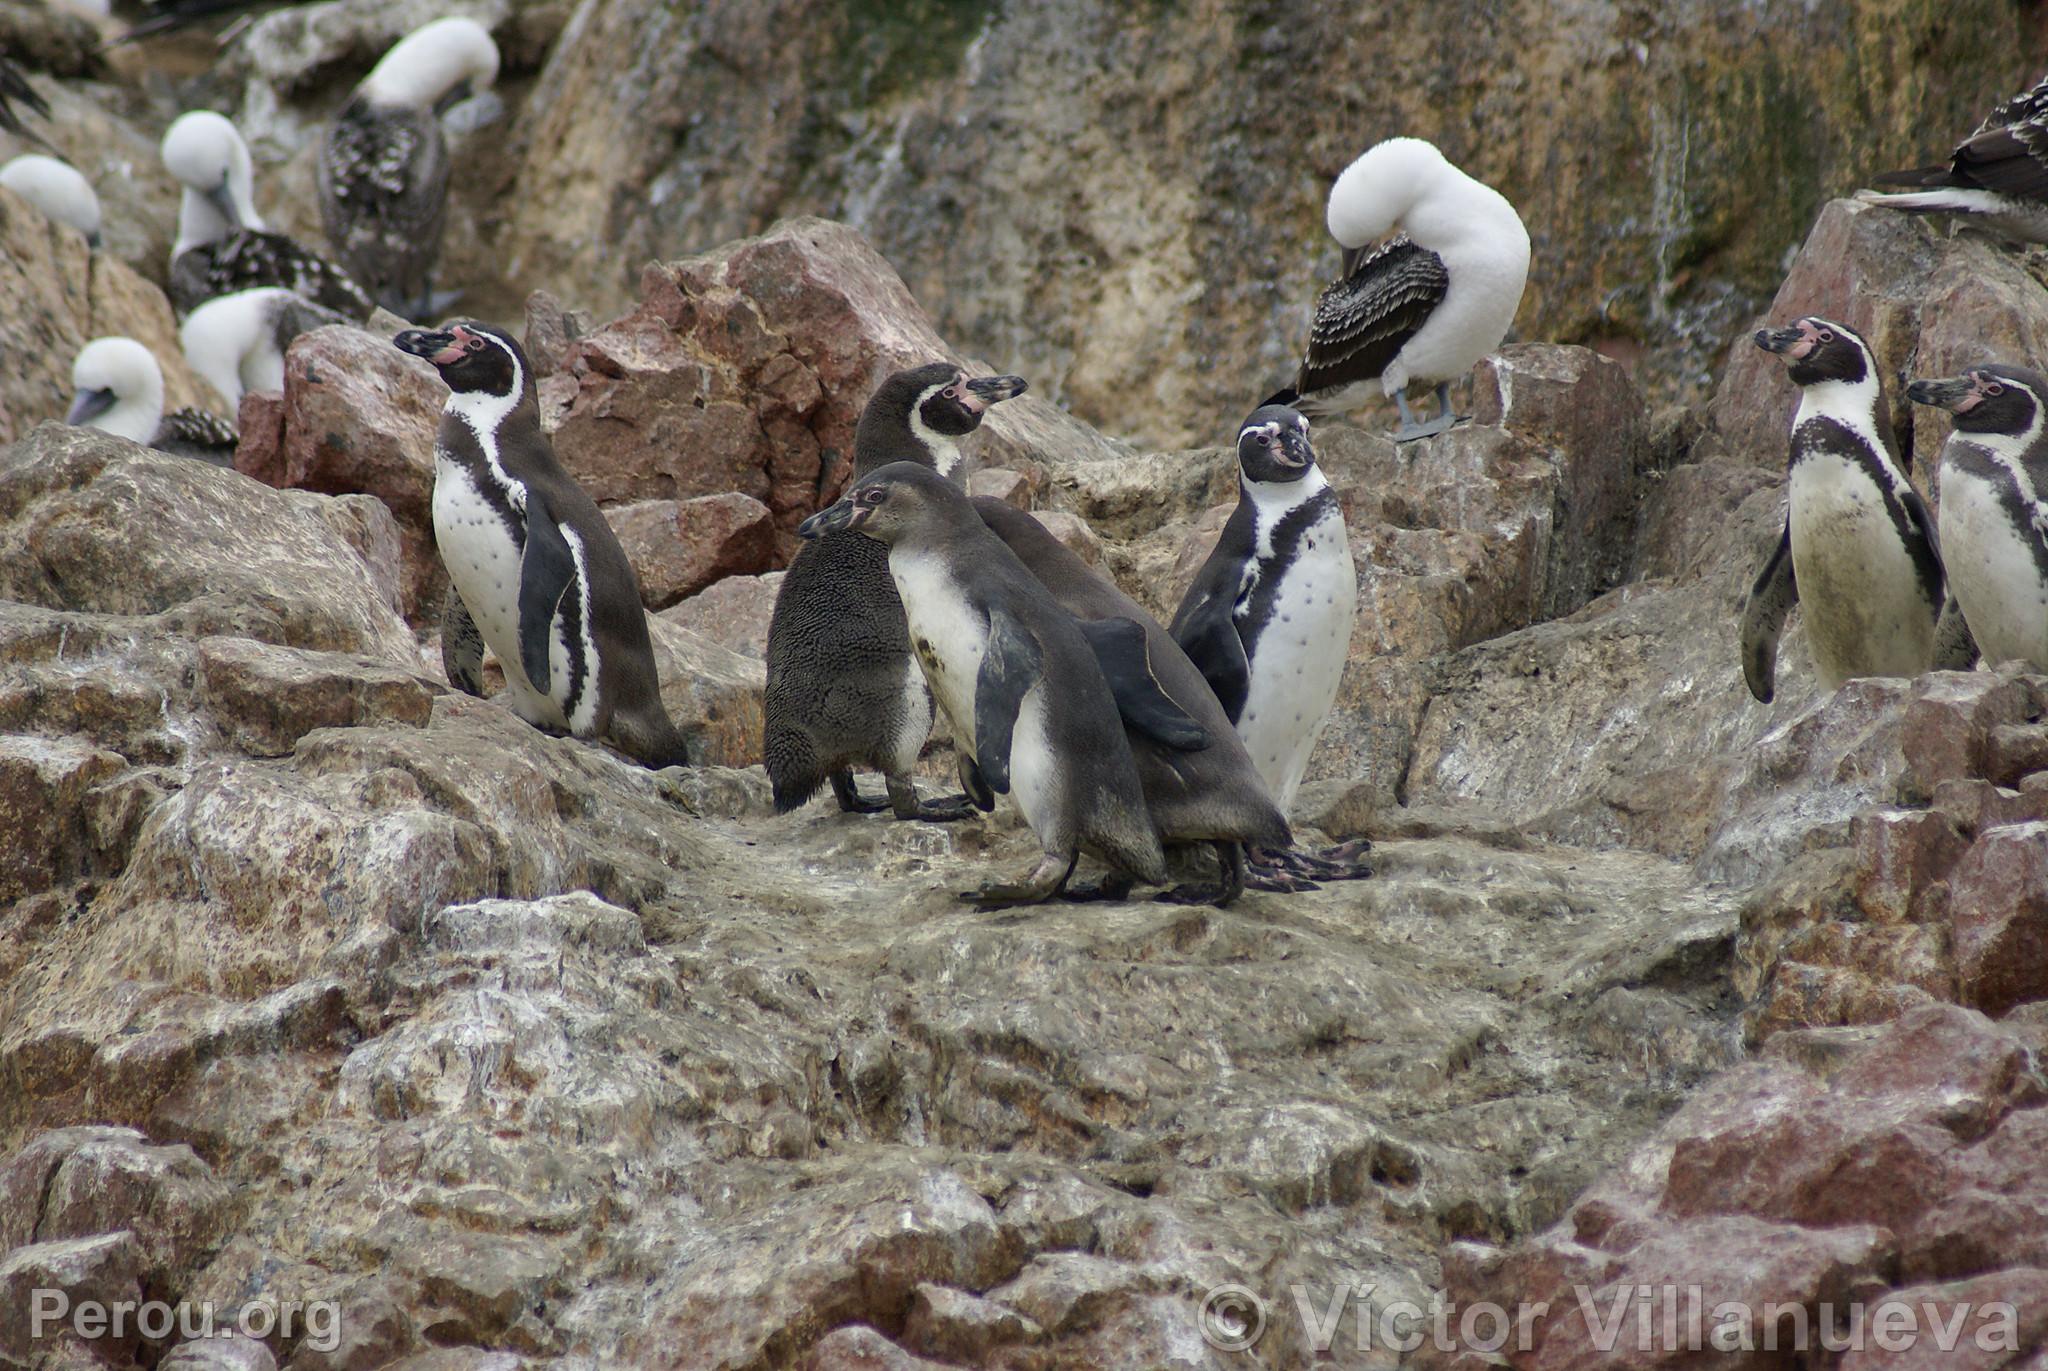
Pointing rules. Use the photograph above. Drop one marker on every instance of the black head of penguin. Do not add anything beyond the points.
(1990, 399)
(1818, 350)
(1273, 446)
(903, 500)
(913, 413)
(473, 358)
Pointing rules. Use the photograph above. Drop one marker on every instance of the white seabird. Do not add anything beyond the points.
(384, 166)
(237, 342)
(1999, 174)
(1426, 305)
(118, 388)
(57, 189)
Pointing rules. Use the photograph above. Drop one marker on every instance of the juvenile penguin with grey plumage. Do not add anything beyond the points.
(1015, 674)
(384, 166)
(536, 566)
(1859, 553)
(1267, 619)
(1994, 506)
(843, 690)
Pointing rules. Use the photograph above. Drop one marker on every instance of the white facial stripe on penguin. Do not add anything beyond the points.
(945, 452)
(483, 412)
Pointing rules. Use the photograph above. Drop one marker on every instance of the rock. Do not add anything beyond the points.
(678, 547)
(963, 1328)
(732, 613)
(858, 1347)
(1999, 892)
(1946, 734)
(745, 370)
(360, 416)
(1011, 487)
(550, 328)
(232, 1352)
(270, 697)
(1073, 533)
(1980, 304)
(714, 694)
(57, 1277)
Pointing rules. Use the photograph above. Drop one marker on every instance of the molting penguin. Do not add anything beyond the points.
(237, 342)
(1858, 553)
(535, 564)
(843, 689)
(1209, 794)
(58, 190)
(1994, 506)
(118, 388)
(1998, 175)
(384, 165)
(222, 244)
(1426, 305)
(1015, 675)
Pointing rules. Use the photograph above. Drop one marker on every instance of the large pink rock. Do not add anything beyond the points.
(1999, 897)
(678, 547)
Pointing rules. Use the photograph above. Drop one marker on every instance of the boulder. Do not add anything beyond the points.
(733, 613)
(678, 547)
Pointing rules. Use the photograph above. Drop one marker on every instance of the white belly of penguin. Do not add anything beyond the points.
(1859, 591)
(947, 637)
(1299, 658)
(1992, 571)
(484, 563)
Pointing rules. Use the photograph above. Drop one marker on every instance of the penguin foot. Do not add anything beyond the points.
(1343, 862)
(1199, 892)
(905, 804)
(850, 799)
(1272, 878)
(1112, 886)
(1043, 882)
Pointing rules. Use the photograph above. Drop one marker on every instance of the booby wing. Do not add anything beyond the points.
(198, 434)
(1010, 666)
(1763, 617)
(247, 259)
(2008, 153)
(1364, 320)
(15, 90)
(383, 195)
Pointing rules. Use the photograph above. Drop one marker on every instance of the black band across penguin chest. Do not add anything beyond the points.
(1257, 607)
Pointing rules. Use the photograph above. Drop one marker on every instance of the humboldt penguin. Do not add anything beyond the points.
(1209, 794)
(1858, 553)
(237, 342)
(384, 166)
(222, 245)
(1997, 176)
(532, 558)
(57, 189)
(1423, 307)
(118, 388)
(843, 689)
(1994, 506)
(1267, 619)
(1015, 674)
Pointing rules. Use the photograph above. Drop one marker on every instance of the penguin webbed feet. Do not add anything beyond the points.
(1290, 870)
(1231, 869)
(905, 805)
(1044, 881)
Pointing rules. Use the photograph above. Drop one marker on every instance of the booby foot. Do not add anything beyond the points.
(1040, 885)
(1428, 428)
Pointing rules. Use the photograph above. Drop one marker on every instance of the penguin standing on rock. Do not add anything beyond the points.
(1859, 552)
(532, 559)
(1267, 619)
(1994, 506)
(384, 166)
(1016, 676)
(222, 244)
(843, 689)
(1423, 307)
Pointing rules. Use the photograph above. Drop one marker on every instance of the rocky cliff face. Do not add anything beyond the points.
(327, 983)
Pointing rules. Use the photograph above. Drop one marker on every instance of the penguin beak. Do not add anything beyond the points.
(442, 349)
(89, 405)
(984, 391)
(223, 199)
(1294, 449)
(1781, 340)
(845, 515)
(1958, 395)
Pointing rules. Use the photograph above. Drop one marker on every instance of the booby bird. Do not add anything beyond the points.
(119, 389)
(223, 245)
(1999, 174)
(1423, 307)
(16, 91)
(384, 166)
(237, 342)
(1859, 553)
(1994, 506)
(57, 189)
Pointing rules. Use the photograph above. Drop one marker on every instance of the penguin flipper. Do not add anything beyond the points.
(544, 575)
(1010, 666)
(1955, 647)
(462, 647)
(1207, 632)
(1763, 617)
(1120, 651)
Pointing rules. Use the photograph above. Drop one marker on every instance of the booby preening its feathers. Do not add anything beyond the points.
(118, 388)
(58, 190)
(237, 342)
(223, 245)
(1423, 307)
(384, 167)
(1998, 174)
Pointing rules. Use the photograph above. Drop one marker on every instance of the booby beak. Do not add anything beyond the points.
(442, 349)
(223, 199)
(984, 391)
(1957, 394)
(1352, 257)
(89, 405)
(1781, 340)
(844, 515)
